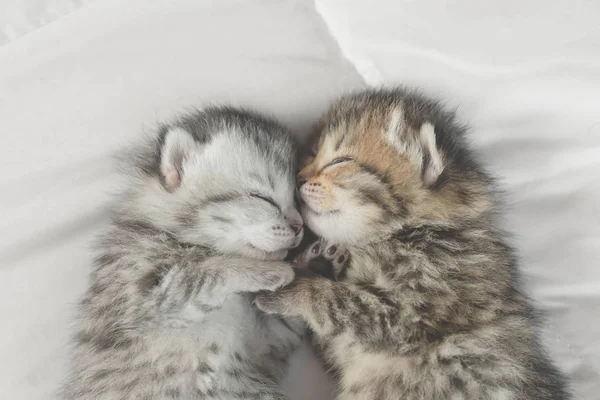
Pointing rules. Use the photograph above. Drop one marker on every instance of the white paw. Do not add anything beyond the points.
(276, 276)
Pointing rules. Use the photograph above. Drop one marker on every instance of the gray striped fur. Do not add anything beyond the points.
(168, 313)
(430, 305)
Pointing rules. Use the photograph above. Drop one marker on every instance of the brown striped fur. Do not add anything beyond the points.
(430, 305)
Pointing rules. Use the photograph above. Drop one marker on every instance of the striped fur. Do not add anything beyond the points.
(430, 305)
(207, 217)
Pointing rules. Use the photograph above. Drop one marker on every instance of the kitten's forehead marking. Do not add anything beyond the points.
(326, 151)
(332, 142)
(265, 176)
(338, 136)
(261, 180)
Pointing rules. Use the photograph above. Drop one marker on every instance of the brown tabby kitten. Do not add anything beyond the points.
(430, 304)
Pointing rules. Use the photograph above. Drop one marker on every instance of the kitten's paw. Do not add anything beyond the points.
(326, 259)
(274, 276)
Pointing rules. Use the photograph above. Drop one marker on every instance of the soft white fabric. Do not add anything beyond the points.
(19, 17)
(524, 73)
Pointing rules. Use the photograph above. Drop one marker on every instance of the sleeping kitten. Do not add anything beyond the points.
(429, 305)
(208, 216)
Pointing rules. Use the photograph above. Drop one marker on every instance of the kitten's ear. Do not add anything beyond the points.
(176, 148)
(432, 164)
(421, 146)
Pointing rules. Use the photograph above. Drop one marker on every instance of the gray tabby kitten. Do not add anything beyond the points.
(206, 221)
(430, 305)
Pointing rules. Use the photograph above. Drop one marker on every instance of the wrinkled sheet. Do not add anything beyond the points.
(82, 84)
(19, 17)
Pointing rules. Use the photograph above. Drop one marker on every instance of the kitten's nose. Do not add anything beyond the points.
(301, 181)
(297, 228)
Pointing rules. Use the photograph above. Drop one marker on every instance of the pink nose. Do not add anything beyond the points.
(297, 228)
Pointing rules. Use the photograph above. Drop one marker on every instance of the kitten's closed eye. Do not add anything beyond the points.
(265, 198)
(339, 160)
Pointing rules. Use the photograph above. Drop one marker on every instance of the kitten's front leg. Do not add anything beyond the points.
(214, 279)
(330, 307)
(249, 275)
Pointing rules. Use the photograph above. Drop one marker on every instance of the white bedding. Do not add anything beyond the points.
(525, 74)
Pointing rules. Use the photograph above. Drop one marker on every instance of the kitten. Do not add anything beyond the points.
(208, 216)
(429, 305)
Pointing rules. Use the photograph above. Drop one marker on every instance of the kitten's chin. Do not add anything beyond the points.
(337, 226)
(324, 225)
(314, 207)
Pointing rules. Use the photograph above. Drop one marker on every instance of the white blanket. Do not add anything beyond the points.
(525, 74)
